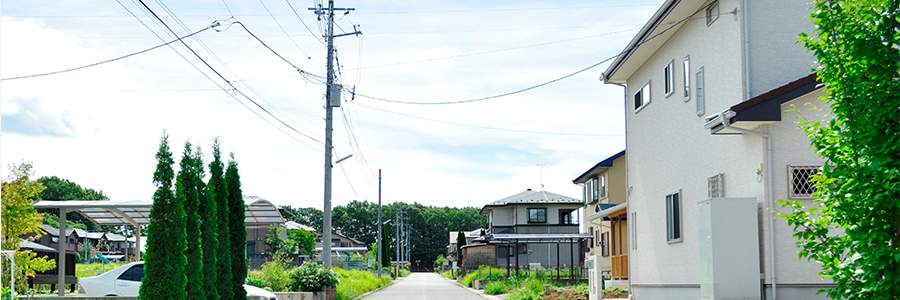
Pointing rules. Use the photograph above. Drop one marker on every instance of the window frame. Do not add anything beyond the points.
(603, 186)
(791, 176)
(686, 82)
(528, 214)
(604, 242)
(669, 78)
(644, 93)
(710, 16)
(699, 88)
(674, 217)
(632, 222)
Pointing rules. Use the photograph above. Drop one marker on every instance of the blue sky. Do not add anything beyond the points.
(100, 126)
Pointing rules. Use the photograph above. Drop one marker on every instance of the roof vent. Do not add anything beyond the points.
(529, 190)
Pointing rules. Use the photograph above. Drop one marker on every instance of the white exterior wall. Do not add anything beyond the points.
(552, 213)
(775, 57)
(670, 151)
(502, 216)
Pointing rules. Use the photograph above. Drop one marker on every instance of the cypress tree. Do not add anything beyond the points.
(165, 262)
(217, 217)
(208, 230)
(238, 231)
(186, 192)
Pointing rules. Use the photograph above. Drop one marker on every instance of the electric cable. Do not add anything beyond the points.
(283, 30)
(304, 23)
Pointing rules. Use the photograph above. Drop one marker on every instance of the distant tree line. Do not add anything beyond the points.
(430, 226)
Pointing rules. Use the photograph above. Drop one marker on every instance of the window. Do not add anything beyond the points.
(604, 240)
(700, 97)
(136, 273)
(712, 13)
(54, 240)
(633, 230)
(800, 185)
(716, 186)
(669, 76)
(591, 193)
(642, 97)
(565, 217)
(687, 78)
(597, 238)
(537, 215)
(673, 217)
(603, 186)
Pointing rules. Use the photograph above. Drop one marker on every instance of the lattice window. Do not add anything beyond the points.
(716, 186)
(799, 181)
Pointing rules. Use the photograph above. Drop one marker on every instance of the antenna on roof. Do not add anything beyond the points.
(542, 176)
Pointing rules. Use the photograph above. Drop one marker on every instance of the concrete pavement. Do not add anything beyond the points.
(425, 286)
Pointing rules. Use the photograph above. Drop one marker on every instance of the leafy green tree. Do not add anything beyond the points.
(385, 247)
(460, 241)
(238, 231)
(309, 216)
(186, 191)
(854, 231)
(165, 262)
(56, 188)
(301, 242)
(274, 243)
(216, 216)
(19, 217)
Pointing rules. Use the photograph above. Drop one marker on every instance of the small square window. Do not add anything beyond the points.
(642, 97)
(669, 76)
(800, 184)
(712, 13)
(537, 215)
(716, 186)
(673, 217)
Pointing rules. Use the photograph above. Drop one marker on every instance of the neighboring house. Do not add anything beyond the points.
(50, 237)
(115, 243)
(606, 211)
(531, 228)
(707, 84)
(469, 236)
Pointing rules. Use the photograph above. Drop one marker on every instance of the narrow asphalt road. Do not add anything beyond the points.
(428, 286)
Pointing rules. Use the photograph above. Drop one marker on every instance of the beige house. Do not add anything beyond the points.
(606, 216)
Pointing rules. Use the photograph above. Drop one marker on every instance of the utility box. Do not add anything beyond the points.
(729, 249)
(335, 95)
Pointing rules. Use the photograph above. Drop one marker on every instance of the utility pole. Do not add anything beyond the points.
(380, 245)
(332, 100)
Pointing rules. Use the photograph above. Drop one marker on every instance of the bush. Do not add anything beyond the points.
(276, 275)
(467, 280)
(449, 275)
(256, 282)
(404, 272)
(312, 277)
(495, 288)
(354, 283)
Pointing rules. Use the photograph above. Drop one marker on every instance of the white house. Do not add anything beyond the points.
(712, 145)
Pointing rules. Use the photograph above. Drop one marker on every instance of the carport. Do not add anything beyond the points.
(510, 239)
(136, 213)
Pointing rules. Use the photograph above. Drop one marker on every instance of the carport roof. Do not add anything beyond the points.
(541, 237)
(137, 212)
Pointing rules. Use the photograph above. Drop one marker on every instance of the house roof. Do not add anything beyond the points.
(114, 237)
(36, 247)
(661, 26)
(532, 197)
(339, 233)
(762, 109)
(295, 225)
(598, 168)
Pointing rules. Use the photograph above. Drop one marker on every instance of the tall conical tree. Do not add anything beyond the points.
(238, 231)
(208, 230)
(165, 262)
(216, 199)
(187, 193)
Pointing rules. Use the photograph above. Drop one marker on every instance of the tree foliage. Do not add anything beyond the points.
(308, 216)
(187, 192)
(216, 239)
(854, 231)
(56, 188)
(237, 229)
(301, 242)
(19, 193)
(164, 260)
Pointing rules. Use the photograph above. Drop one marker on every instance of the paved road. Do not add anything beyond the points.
(426, 286)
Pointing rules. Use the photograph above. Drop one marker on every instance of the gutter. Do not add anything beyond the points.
(627, 189)
(770, 193)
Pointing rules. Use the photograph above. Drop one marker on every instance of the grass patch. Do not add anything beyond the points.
(89, 270)
(468, 278)
(404, 272)
(354, 283)
(449, 275)
(495, 288)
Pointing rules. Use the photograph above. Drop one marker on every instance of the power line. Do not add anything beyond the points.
(304, 23)
(179, 39)
(675, 24)
(285, 31)
(492, 128)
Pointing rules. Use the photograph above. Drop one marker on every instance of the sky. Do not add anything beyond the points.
(100, 126)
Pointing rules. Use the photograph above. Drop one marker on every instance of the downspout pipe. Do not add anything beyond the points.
(628, 190)
(770, 194)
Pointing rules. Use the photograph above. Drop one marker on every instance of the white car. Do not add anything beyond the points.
(126, 281)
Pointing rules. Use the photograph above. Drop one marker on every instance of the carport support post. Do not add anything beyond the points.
(137, 242)
(557, 261)
(61, 258)
(572, 260)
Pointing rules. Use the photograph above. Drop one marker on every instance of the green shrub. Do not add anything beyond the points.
(311, 277)
(495, 288)
(525, 294)
(276, 275)
(256, 282)
(449, 275)
(583, 288)
(467, 280)
(404, 272)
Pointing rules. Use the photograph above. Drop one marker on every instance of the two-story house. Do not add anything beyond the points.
(606, 220)
(535, 228)
(707, 84)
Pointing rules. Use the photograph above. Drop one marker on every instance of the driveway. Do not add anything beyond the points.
(429, 286)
